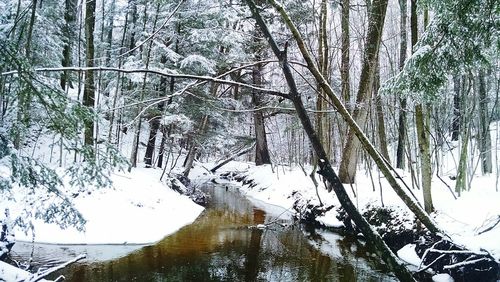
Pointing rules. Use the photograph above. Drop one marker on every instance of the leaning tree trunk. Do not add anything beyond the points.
(367, 145)
(348, 163)
(325, 168)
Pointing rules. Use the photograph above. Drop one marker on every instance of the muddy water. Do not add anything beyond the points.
(223, 244)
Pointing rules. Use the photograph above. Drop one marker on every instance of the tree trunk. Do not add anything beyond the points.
(423, 130)
(68, 34)
(89, 87)
(348, 163)
(261, 150)
(135, 146)
(154, 125)
(457, 116)
(484, 126)
(461, 181)
(24, 99)
(382, 137)
(321, 119)
(400, 154)
(424, 154)
(193, 148)
(119, 83)
(109, 33)
(325, 168)
(344, 64)
(341, 109)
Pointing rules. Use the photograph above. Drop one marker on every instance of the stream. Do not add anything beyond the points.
(223, 244)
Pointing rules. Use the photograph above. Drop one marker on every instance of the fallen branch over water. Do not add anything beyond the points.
(42, 274)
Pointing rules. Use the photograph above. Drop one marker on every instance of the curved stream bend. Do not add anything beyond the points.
(224, 245)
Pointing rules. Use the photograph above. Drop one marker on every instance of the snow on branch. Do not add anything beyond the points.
(41, 274)
(464, 263)
(456, 252)
(157, 72)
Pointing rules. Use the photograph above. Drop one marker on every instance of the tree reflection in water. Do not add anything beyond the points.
(220, 246)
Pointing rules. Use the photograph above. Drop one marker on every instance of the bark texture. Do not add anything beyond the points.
(386, 170)
(348, 163)
(89, 87)
(400, 153)
(325, 168)
(484, 126)
(344, 64)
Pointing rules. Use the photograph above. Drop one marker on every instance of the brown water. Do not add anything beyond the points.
(222, 245)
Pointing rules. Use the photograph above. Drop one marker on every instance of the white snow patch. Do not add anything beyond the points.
(9, 273)
(443, 277)
(408, 254)
(138, 209)
(461, 218)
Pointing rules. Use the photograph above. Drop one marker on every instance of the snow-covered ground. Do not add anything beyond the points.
(462, 219)
(10, 273)
(137, 209)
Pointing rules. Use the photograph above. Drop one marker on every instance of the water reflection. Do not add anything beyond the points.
(220, 246)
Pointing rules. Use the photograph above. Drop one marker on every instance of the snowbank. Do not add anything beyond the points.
(462, 218)
(11, 273)
(138, 209)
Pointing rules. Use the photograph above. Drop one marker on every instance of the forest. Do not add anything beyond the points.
(147, 123)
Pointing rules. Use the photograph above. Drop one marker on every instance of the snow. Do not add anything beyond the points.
(10, 273)
(443, 277)
(461, 218)
(408, 254)
(138, 209)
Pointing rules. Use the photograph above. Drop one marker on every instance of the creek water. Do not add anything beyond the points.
(224, 244)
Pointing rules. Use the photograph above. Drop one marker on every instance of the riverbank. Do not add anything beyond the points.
(137, 209)
(466, 219)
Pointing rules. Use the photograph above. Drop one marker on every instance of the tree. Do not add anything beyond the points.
(400, 150)
(326, 169)
(348, 164)
(89, 88)
(344, 68)
(322, 120)
(484, 125)
(384, 167)
(262, 155)
(422, 124)
(69, 38)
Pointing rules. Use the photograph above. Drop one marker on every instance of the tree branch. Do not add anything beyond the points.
(39, 276)
(156, 72)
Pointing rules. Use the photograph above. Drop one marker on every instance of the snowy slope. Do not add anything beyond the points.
(138, 209)
(461, 218)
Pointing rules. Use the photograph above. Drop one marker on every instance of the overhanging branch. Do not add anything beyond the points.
(157, 72)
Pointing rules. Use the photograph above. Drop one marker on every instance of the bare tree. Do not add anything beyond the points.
(348, 163)
(422, 123)
(484, 125)
(400, 154)
(326, 169)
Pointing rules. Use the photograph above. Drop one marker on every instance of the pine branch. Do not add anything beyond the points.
(157, 72)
